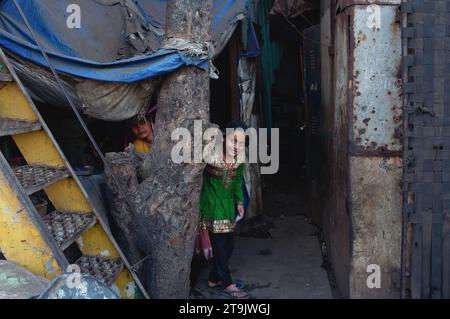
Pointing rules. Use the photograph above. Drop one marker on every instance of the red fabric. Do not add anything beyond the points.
(203, 244)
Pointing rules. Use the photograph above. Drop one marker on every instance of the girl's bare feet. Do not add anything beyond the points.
(212, 284)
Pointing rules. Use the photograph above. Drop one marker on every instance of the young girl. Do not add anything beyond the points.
(142, 128)
(221, 195)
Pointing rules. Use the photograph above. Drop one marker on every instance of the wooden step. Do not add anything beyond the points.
(37, 177)
(104, 269)
(5, 76)
(67, 226)
(12, 126)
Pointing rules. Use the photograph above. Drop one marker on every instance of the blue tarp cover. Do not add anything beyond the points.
(94, 50)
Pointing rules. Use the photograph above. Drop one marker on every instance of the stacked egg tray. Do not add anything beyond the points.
(104, 269)
(66, 227)
(36, 177)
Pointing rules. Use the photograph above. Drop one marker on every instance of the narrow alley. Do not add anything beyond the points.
(279, 255)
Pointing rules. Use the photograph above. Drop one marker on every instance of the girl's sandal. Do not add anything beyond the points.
(233, 294)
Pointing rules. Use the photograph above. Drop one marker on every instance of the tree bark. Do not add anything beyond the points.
(166, 202)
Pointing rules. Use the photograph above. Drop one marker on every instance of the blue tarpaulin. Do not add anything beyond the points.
(98, 49)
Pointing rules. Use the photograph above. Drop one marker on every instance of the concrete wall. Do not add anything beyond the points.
(376, 224)
(363, 213)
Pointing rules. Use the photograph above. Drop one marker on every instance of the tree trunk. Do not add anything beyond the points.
(166, 202)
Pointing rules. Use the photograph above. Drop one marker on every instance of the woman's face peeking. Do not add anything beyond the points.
(235, 144)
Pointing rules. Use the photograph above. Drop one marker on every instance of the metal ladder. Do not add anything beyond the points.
(38, 243)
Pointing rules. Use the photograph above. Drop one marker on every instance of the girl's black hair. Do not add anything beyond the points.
(235, 124)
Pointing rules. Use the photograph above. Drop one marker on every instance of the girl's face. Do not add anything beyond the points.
(235, 144)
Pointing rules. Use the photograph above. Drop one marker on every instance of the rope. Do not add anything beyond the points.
(198, 49)
(203, 50)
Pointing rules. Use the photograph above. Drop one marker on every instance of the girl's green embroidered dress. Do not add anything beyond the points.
(221, 193)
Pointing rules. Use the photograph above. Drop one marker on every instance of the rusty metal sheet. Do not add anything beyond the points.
(337, 223)
(376, 117)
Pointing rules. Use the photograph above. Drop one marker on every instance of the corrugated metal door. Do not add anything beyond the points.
(312, 89)
(426, 236)
(311, 52)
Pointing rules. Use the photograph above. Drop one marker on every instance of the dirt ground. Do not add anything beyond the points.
(277, 256)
